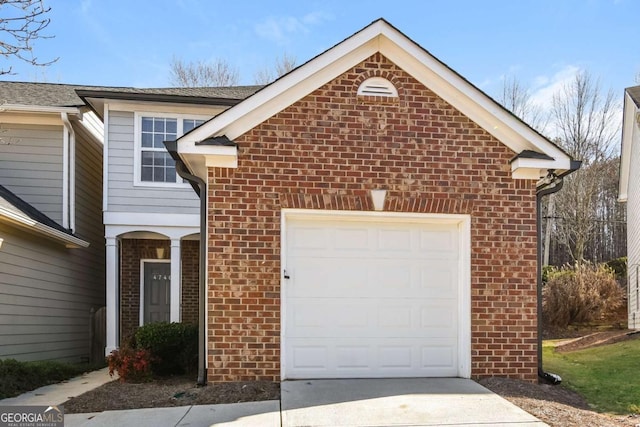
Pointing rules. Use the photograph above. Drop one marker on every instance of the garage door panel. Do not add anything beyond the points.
(362, 318)
(333, 358)
(370, 299)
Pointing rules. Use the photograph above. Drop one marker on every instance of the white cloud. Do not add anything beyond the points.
(280, 29)
(544, 87)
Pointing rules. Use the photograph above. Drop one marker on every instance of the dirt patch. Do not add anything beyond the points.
(555, 405)
(175, 391)
(597, 339)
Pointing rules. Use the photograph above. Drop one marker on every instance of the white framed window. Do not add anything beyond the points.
(153, 166)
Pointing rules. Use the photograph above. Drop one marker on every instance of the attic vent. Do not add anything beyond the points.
(378, 86)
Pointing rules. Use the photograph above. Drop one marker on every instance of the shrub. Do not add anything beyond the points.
(174, 346)
(132, 365)
(546, 271)
(619, 267)
(579, 294)
(19, 377)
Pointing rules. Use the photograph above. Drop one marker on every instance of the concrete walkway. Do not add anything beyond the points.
(356, 403)
(57, 394)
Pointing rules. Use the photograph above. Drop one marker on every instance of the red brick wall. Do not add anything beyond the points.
(327, 151)
(133, 250)
(190, 256)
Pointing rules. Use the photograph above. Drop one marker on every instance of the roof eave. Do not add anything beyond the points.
(33, 226)
(630, 124)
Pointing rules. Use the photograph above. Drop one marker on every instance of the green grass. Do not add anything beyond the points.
(608, 377)
(19, 377)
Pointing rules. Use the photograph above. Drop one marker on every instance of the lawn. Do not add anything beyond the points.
(607, 376)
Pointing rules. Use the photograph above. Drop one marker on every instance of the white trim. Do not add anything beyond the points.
(629, 129)
(112, 288)
(380, 37)
(137, 129)
(176, 282)
(464, 265)
(105, 161)
(65, 172)
(152, 219)
(161, 107)
(35, 226)
(142, 262)
(70, 177)
(38, 109)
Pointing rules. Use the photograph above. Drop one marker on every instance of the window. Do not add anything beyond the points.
(154, 165)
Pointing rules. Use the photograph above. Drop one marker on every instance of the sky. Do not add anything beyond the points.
(542, 43)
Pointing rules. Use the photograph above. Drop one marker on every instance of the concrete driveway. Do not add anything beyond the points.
(397, 402)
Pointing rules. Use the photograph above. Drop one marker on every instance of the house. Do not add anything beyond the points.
(629, 192)
(51, 234)
(151, 215)
(369, 214)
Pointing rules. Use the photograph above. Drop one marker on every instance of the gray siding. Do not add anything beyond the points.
(123, 195)
(31, 165)
(46, 294)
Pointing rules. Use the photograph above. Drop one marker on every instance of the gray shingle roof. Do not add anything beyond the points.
(634, 93)
(64, 95)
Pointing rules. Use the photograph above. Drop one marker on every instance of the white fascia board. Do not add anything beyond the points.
(39, 109)
(523, 168)
(288, 89)
(200, 157)
(37, 227)
(466, 98)
(630, 133)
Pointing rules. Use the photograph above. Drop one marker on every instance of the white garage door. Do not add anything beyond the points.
(369, 297)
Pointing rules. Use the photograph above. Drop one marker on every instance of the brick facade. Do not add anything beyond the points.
(190, 255)
(327, 151)
(133, 250)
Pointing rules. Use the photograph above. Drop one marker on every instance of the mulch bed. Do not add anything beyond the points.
(174, 391)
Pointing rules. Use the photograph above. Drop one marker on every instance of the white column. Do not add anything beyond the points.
(112, 295)
(175, 280)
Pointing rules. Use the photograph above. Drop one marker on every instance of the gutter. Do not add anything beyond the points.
(553, 183)
(200, 188)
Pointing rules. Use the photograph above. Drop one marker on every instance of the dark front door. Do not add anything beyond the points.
(157, 290)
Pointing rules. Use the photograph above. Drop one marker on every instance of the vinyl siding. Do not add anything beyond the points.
(31, 166)
(46, 294)
(633, 232)
(123, 196)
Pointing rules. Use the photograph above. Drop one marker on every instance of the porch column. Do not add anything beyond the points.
(112, 295)
(175, 280)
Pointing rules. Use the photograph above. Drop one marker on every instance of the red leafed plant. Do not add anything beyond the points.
(132, 365)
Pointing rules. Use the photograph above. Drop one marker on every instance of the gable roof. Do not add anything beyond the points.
(380, 36)
(630, 136)
(17, 211)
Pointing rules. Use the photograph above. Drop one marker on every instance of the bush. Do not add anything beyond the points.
(619, 267)
(132, 365)
(19, 377)
(579, 294)
(173, 346)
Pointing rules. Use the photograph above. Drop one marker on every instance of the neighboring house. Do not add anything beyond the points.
(369, 214)
(629, 192)
(51, 234)
(151, 215)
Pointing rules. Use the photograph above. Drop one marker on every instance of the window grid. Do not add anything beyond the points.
(156, 165)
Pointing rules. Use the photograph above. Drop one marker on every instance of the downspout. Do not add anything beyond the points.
(71, 172)
(553, 185)
(201, 189)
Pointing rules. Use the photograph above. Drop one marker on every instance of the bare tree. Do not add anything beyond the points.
(584, 119)
(21, 23)
(282, 66)
(201, 74)
(516, 98)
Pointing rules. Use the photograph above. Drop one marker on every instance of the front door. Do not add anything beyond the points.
(157, 290)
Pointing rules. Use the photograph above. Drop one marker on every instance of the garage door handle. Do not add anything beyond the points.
(286, 276)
